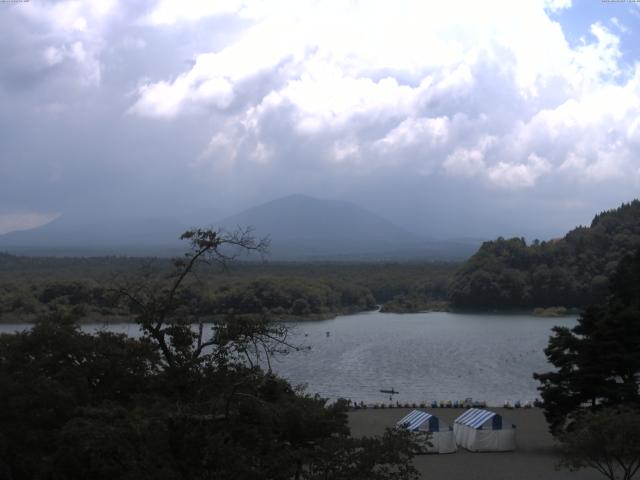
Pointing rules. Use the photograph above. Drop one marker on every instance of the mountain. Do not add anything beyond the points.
(300, 227)
(306, 228)
(69, 236)
(572, 271)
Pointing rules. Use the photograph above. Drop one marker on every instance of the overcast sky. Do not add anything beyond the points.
(451, 118)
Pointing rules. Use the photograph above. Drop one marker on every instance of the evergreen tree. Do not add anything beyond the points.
(597, 361)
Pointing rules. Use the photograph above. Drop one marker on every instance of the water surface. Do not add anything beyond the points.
(424, 356)
(427, 356)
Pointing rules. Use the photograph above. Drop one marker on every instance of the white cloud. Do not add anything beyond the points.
(469, 162)
(11, 222)
(53, 55)
(340, 89)
(345, 150)
(432, 131)
(170, 12)
(619, 25)
(518, 175)
(556, 5)
(426, 94)
(75, 31)
(465, 162)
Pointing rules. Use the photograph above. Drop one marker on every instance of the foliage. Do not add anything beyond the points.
(413, 303)
(32, 287)
(597, 361)
(183, 401)
(365, 459)
(572, 272)
(607, 440)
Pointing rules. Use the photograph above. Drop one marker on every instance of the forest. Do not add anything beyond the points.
(571, 272)
(87, 287)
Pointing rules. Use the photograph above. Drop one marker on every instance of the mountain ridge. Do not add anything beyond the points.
(301, 228)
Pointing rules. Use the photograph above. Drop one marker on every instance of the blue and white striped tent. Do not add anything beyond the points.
(480, 430)
(439, 438)
(418, 418)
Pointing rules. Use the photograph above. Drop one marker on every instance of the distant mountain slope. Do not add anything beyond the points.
(303, 226)
(77, 236)
(571, 272)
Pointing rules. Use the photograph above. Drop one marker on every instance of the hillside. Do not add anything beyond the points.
(572, 271)
(73, 236)
(301, 228)
(306, 228)
(299, 225)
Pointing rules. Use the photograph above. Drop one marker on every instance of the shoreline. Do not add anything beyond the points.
(535, 457)
(10, 319)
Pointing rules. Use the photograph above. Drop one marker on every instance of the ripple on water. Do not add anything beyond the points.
(423, 356)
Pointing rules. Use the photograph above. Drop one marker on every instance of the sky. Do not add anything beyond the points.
(452, 119)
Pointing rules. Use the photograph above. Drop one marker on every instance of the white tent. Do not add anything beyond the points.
(429, 430)
(484, 431)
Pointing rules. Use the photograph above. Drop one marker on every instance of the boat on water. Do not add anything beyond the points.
(392, 391)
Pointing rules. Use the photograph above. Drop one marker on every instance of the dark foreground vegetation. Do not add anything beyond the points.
(592, 398)
(179, 402)
(573, 271)
(32, 286)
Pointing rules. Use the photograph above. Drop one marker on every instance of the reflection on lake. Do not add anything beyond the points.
(424, 356)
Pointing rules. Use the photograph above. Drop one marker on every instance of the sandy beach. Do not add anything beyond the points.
(534, 458)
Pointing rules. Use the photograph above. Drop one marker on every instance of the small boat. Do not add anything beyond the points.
(328, 333)
(392, 391)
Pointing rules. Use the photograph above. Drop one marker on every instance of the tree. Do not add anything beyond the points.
(597, 361)
(607, 440)
(187, 400)
(48, 374)
(572, 271)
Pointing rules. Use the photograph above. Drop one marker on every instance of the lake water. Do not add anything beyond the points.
(424, 356)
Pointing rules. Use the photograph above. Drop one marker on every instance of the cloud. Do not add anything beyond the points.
(556, 5)
(170, 12)
(619, 25)
(11, 222)
(402, 102)
(518, 175)
(230, 102)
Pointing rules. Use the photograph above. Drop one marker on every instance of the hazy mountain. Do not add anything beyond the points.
(306, 228)
(71, 236)
(300, 228)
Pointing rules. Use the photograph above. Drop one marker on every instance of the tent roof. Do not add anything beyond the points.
(414, 419)
(475, 417)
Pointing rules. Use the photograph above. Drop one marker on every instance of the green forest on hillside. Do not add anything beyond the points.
(572, 272)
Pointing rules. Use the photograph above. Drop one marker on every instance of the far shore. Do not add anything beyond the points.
(535, 457)
(555, 312)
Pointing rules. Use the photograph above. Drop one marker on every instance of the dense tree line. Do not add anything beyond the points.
(31, 287)
(178, 403)
(572, 272)
(281, 297)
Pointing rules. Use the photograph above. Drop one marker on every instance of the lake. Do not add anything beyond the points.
(423, 356)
